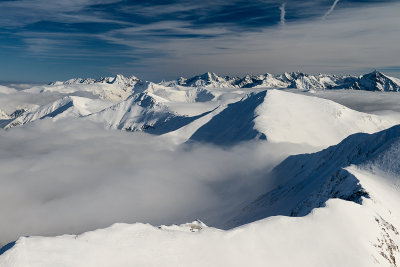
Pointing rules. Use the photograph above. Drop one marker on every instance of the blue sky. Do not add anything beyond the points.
(42, 41)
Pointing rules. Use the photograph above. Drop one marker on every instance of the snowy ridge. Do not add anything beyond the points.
(307, 181)
(205, 80)
(118, 80)
(115, 89)
(142, 112)
(280, 116)
(336, 229)
(69, 106)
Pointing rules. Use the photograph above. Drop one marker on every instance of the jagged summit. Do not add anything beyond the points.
(374, 81)
(206, 79)
(118, 79)
(377, 81)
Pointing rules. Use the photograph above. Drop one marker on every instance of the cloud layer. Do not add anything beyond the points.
(70, 177)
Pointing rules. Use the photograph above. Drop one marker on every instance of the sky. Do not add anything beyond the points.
(43, 41)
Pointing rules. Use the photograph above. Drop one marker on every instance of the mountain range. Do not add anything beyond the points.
(336, 206)
(374, 81)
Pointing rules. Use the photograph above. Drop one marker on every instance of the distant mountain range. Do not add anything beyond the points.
(374, 81)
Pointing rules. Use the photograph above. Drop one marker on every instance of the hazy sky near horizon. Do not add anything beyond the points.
(42, 41)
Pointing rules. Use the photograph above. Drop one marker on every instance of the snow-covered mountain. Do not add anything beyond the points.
(69, 106)
(143, 112)
(116, 88)
(279, 116)
(374, 81)
(307, 181)
(272, 115)
(377, 81)
(208, 79)
(117, 80)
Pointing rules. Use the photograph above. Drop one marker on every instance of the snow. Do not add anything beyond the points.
(374, 81)
(114, 89)
(280, 116)
(3, 115)
(69, 106)
(306, 181)
(311, 120)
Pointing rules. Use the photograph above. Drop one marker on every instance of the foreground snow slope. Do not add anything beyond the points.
(332, 236)
(341, 234)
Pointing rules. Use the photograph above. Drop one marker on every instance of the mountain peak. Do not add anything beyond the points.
(209, 76)
(377, 81)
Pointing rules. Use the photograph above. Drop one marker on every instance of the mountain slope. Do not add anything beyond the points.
(377, 81)
(116, 88)
(280, 116)
(142, 112)
(69, 106)
(208, 79)
(304, 182)
(179, 93)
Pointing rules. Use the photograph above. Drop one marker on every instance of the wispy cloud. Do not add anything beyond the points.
(283, 14)
(28, 12)
(346, 43)
(330, 9)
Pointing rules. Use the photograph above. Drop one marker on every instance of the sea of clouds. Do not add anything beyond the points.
(72, 176)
